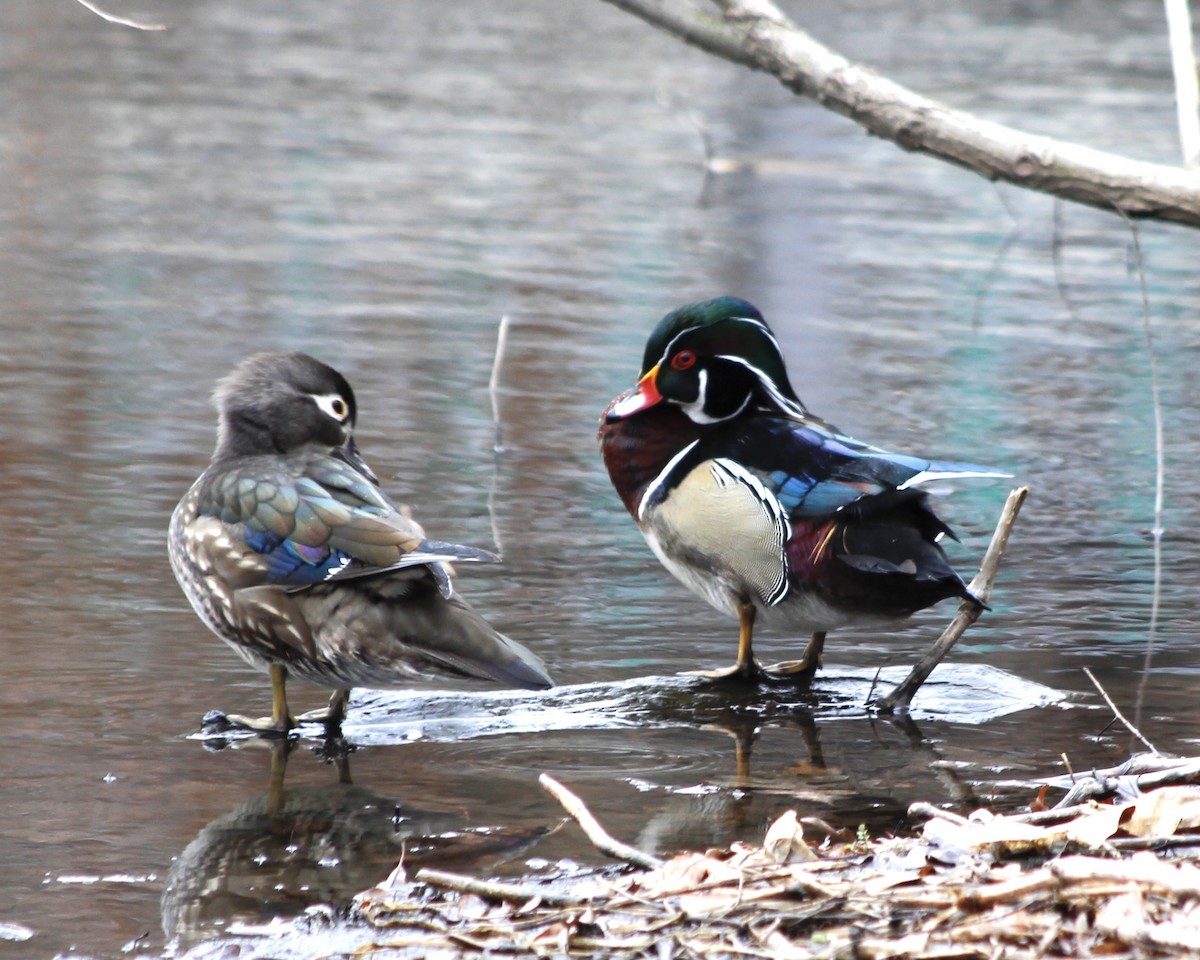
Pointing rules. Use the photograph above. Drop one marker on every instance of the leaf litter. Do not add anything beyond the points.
(1115, 876)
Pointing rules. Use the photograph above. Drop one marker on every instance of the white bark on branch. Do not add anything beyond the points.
(756, 34)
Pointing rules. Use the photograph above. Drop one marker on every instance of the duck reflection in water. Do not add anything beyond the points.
(277, 854)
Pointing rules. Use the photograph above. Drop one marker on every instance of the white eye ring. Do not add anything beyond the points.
(333, 404)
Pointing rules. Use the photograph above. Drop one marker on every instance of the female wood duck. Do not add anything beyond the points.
(758, 506)
(291, 554)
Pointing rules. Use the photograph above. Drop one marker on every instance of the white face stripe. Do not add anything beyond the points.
(657, 482)
(695, 409)
(333, 404)
(750, 320)
(768, 384)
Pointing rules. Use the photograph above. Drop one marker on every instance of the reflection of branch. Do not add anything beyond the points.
(1159, 474)
(968, 611)
(121, 20)
(756, 34)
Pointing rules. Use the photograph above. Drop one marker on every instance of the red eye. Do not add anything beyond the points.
(682, 360)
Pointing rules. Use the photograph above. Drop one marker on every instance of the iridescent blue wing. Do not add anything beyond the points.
(314, 519)
(814, 471)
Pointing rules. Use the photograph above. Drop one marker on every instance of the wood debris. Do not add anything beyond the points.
(1030, 885)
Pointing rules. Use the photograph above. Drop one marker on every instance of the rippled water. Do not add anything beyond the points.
(378, 183)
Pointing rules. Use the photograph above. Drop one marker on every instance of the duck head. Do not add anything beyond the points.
(279, 403)
(712, 360)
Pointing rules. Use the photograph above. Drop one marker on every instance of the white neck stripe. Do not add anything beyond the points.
(657, 483)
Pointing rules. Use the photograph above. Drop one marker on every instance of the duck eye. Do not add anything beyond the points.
(683, 360)
(333, 405)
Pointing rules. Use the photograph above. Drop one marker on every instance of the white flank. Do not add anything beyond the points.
(774, 509)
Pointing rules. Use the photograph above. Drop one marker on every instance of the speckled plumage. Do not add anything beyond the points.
(289, 551)
(758, 506)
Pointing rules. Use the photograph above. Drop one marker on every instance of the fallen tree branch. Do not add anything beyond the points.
(497, 889)
(968, 611)
(601, 839)
(1137, 775)
(756, 34)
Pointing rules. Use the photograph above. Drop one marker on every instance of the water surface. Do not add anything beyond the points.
(378, 183)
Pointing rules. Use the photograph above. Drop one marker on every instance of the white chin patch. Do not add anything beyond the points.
(628, 406)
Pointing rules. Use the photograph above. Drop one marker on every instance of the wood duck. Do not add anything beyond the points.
(758, 506)
(290, 553)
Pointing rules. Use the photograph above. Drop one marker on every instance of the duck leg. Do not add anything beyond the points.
(332, 715)
(278, 724)
(746, 669)
(800, 672)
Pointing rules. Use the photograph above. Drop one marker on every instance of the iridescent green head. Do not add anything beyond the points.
(713, 360)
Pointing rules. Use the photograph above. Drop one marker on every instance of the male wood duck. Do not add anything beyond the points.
(290, 553)
(758, 506)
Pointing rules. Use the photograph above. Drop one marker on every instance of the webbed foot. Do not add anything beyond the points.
(217, 721)
(750, 672)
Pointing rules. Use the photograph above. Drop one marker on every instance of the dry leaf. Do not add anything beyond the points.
(1164, 812)
(784, 841)
(686, 872)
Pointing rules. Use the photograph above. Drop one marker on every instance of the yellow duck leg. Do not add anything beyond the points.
(800, 672)
(746, 669)
(280, 722)
(333, 715)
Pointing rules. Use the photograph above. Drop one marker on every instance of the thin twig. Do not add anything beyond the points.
(1159, 459)
(924, 809)
(112, 18)
(601, 839)
(1120, 716)
(968, 611)
(1057, 243)
(1187, 92)
(1159, 467)
(497, 361)
(497, 890)
(498, 443)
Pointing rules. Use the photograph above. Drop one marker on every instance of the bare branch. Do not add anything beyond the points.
(496, 889)
(755, 33)
(601, 838)
(968, 610)
(1118, 714)
(111, 18)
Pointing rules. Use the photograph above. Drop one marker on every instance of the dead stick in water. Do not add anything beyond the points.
(968, 611)
(601, 839)
(1118, 714)
(496, 889)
